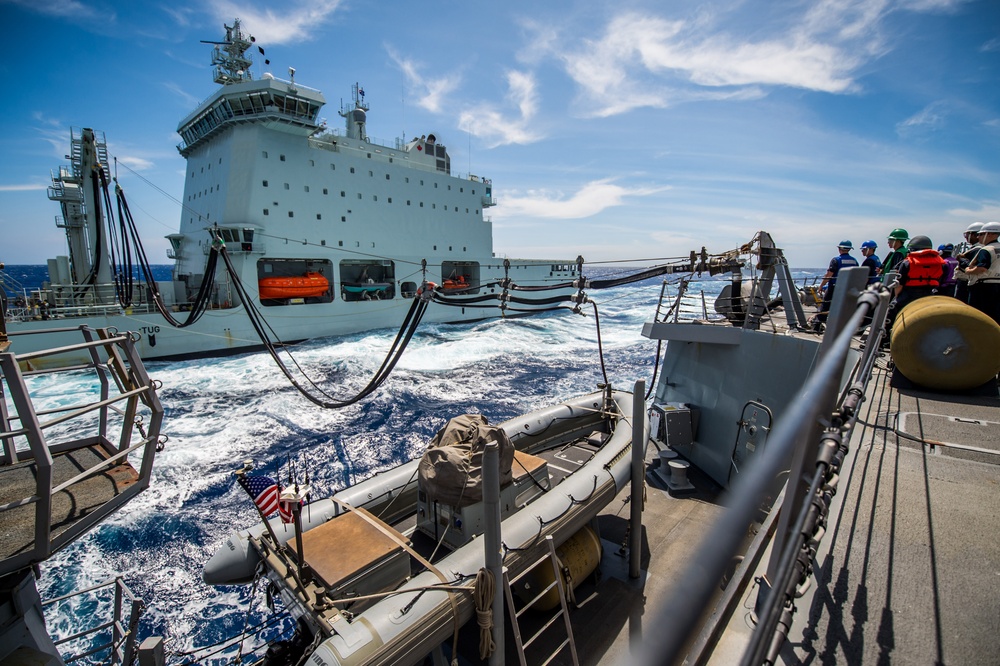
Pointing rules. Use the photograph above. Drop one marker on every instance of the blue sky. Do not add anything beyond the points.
(613, 130)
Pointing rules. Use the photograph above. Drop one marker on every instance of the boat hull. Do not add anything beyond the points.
(228, 331)
(403, 628)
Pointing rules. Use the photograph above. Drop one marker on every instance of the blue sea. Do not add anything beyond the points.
(220, 412)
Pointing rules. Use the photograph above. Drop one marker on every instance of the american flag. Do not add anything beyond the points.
(266, 493)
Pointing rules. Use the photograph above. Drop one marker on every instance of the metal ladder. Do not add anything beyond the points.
(564, 609)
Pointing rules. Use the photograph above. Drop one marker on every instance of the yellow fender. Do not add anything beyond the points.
(941, 343)
(580, 555)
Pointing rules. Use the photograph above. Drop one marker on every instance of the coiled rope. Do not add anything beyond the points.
(486, 587)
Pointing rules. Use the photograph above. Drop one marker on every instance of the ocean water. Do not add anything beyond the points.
(220, 412)
(20, 280)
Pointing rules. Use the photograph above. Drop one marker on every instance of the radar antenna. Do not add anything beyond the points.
(356, 116)
(232, 65)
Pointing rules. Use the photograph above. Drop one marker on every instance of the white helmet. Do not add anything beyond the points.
(990, 228)
(974, 228)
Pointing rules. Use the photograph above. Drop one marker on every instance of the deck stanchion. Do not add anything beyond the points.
(491, 540)
(638, 463)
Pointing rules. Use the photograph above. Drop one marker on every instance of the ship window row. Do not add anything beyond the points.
(251, 103)
(198, 195)
(267, 211)
(371, 174)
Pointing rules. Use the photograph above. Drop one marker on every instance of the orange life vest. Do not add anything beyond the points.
(926, 269)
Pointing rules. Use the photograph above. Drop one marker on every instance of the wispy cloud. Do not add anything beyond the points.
(431, 93)
(589, 200)
(648, 60)
(189, 100)
(489, 123)
(70, 9)
(929, 119)
(26, 187)
(294, 22)
(135, 162)
(644, 60)
(992, 45)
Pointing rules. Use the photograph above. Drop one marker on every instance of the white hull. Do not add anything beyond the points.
(227, 331)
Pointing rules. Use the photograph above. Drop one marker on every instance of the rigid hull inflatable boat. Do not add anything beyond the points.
(356, 575)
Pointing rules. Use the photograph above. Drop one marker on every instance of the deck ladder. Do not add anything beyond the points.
(563, 611)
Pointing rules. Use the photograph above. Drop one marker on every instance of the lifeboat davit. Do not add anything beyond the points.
(310, 284)
(941, 343)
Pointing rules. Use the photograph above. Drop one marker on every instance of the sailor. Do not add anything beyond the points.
(950, 266)
(920, 274)
(842, 260)
(871, 260)
(897, 252)
(984, 272)
(966, 252)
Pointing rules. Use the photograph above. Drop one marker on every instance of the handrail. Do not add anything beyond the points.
(675, 618)
(131, 386)
(121, 635)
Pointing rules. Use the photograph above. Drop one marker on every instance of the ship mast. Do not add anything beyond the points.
(232, 65)
(356, 117)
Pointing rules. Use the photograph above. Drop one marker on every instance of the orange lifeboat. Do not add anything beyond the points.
(455, 283)
(298, 286)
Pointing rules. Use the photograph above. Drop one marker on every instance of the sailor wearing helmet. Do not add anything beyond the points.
(871, 260)
(897, 252)
(984, 272)
(965, 252)
(920, 274)
(842, 260)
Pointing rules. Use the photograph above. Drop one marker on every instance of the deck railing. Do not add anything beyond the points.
(31, 440)
(812, 434)
(114, 639)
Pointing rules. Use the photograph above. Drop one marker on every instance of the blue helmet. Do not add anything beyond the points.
(846, 244)
(869, 244)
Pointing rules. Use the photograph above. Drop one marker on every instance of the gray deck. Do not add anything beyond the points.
(913, 575)
(17, 526)
(909, 573)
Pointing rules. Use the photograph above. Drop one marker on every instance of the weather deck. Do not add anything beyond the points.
(910, 567)
(912, 574)
(70, 505)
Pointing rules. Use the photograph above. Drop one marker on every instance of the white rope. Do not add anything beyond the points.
(484, 591)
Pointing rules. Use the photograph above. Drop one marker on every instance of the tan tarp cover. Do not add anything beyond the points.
(451, 470)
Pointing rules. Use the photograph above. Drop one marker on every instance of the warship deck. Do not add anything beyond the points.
(70, 505)
(909, 570)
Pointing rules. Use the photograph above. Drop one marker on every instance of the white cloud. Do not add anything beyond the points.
(589, 200)
(991, 45)
(647, 60)
(26, 187)
(294, 22)
(431, 93)
(134, 162)
(488, 123)
(929, 119)
(71, 9)
(189, 100)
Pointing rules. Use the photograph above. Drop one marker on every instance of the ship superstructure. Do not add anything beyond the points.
(329, 231)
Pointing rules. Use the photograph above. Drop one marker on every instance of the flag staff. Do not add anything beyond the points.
(243, 481)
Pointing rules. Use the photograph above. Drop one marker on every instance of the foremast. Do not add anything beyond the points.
(232, 65)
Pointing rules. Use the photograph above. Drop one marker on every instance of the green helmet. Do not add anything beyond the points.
(899, 234)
